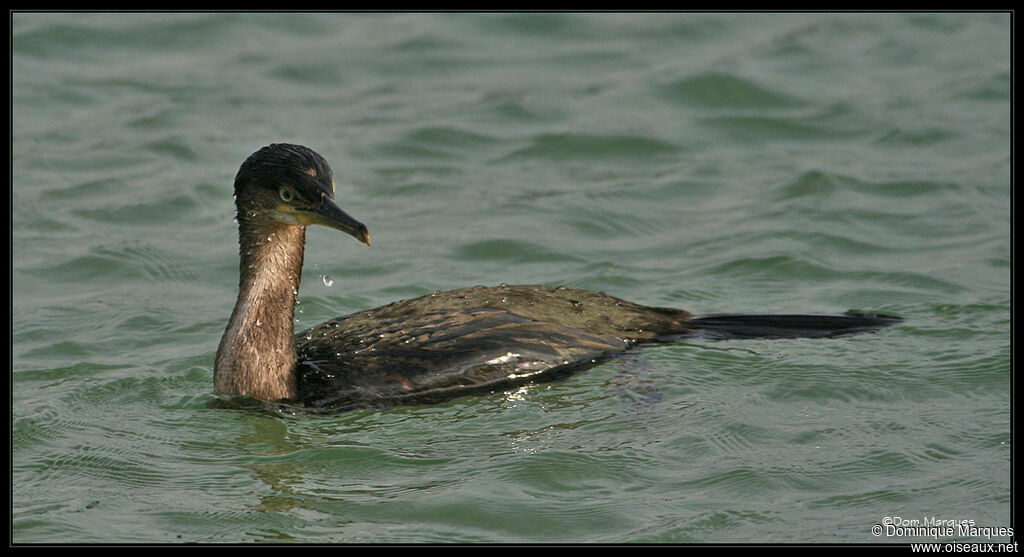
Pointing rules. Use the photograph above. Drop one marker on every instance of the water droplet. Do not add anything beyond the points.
(328, 281)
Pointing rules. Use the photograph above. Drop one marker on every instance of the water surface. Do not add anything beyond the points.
(716, 162)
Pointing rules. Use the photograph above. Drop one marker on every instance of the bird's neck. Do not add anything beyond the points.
(256, 356)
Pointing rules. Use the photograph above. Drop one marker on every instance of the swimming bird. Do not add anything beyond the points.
(437, 346)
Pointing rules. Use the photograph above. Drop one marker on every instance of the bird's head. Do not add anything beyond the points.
(293, 185)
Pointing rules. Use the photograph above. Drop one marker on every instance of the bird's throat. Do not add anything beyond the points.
(256, 356)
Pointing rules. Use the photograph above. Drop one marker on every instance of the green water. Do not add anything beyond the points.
(715, 162)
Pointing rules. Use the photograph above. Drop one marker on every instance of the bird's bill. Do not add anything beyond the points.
(327, 213)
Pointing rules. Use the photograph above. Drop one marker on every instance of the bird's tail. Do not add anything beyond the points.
(742, 325)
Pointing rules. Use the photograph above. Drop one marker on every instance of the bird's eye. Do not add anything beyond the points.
(286, 195)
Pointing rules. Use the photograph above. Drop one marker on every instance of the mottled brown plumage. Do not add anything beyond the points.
(469, 340)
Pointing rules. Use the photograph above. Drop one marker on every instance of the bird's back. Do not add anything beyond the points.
(447, 344)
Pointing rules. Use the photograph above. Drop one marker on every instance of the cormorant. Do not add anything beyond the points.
(435, 347)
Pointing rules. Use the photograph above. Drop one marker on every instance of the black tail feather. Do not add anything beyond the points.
(739, 325)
